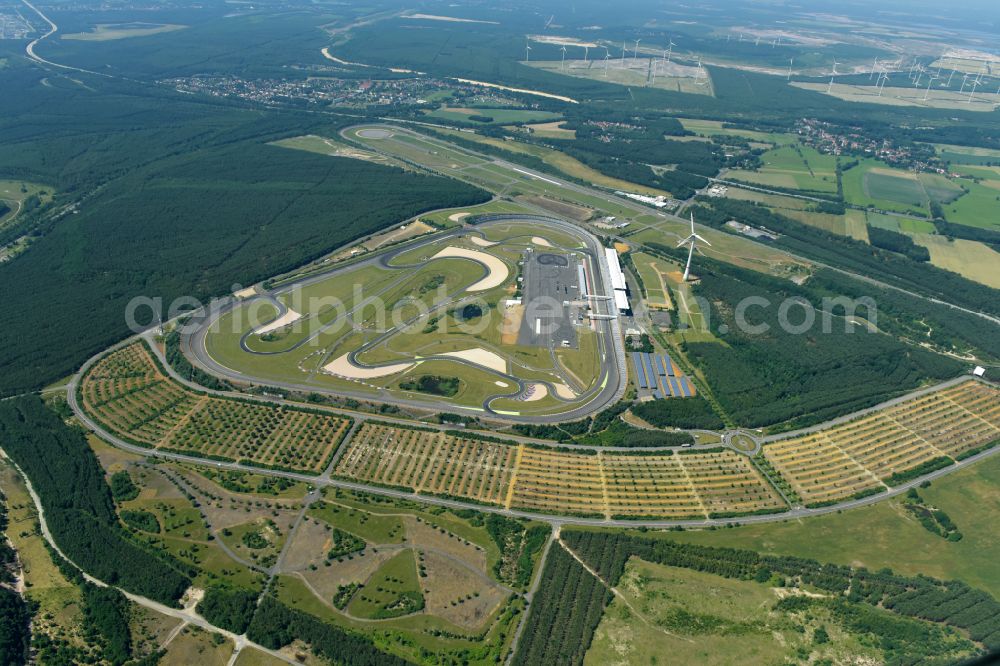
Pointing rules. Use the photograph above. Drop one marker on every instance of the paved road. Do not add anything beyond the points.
(319, 481)
(609, 387)
(187, 615)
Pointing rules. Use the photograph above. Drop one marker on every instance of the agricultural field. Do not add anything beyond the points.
(794, 167)
(636, 72)
(977, 207)
(904, 96)
(436, 318)
(709, 128)
(972, 259)
(127, 393)
(889, 446)
(693, 484)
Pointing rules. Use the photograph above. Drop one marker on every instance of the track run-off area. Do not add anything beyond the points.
(447, 307)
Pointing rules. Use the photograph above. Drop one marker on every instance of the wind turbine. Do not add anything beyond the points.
(791, 61)
(586, 50)
(527, 51)
(562, 65)
(949, 78)
(757, 41)
(691, 241)
(670, 49)
(607, 58)
(829, 88)
(635, 54)
(929, 83)
(624, 45)
(874, 65)
(972, 94)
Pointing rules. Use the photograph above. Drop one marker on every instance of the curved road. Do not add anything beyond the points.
(610, 384)
(554, 519)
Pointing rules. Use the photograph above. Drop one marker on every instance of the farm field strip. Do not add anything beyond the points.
(127, 392)
(552, 481)
(855, 457)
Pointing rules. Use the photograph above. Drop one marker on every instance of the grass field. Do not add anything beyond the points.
(325, 146)
(104, 32)
(500, 116)
(874, 184)
(714, 127)
(702, 618)
(569, 166)
(978, 207)
(652, 271)
(974, 260)
(408, 312)
(967, 154)
(793, 167)
(885, 535)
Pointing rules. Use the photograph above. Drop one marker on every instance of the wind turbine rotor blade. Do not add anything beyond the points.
(702, 240)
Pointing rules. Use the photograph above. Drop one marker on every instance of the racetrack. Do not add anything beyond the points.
(607, 389)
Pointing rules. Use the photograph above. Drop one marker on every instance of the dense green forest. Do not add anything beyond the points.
(693, 412)
(77, 502)
(898, 243)
(570, 600)
(275, 625)
(193, 198)
(231, 610)
(770, 373)
(564, 613)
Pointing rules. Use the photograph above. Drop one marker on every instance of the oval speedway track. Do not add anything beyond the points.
(608, 388)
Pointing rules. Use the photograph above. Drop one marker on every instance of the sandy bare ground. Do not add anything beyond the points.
(457, 217)
(498, 272)
(540, 391)
(513, 315)
(289, 317)
(481, 242)
(343, 368)
(561, 41)
(450, 19)
(482, 357)
(326, 54)
(564, 392)
(523, 91)
(538, 240)
(245, 293)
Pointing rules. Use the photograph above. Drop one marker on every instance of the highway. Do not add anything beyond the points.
(608, 388)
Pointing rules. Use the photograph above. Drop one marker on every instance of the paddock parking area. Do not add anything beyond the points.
(551, 293)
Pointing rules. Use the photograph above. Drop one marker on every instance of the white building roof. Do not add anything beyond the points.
(617, 277)
(621, 300)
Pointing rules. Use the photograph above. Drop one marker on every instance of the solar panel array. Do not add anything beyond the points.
(657, 374)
